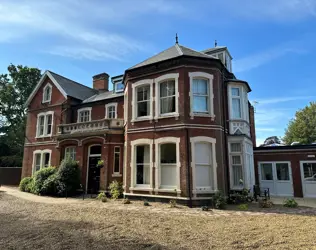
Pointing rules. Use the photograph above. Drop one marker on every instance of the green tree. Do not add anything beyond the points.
(302, 128)
(15, 88)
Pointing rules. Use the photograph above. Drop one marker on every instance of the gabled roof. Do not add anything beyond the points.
(66, 86)
(172, 52)
(216, 49)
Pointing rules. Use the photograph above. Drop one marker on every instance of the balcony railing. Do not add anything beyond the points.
(92, 126)
(239, 127)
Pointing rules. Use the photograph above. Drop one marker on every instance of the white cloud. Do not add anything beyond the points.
(282, 99)
(83, 29)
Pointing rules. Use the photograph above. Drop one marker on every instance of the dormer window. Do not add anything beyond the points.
(47, 93)
(118, 87)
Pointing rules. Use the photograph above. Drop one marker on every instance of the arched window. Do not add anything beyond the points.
(47, 93)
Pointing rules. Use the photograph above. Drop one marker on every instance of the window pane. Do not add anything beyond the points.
(49, 124)
(282, 171)
(143, 108)
(236, 108)
(236, 159)
(37, 162)
(168, 153)
(266, 172)
(167, 105)
(46, 160)
(235, 147)
(237, 174)
(167, 88)
(200, 104)
(203, 165)
(95, 150)
(203, 153)
(116, 160)
(309, 170)
(41, 125)
(70, 152)
(200, 87)
(235, 92)
(119, 87)
(143, 93)
(142, 164)
(169, 176)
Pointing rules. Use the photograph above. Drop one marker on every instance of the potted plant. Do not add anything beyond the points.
(100, 164)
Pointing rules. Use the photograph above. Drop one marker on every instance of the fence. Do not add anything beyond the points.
(10, 176)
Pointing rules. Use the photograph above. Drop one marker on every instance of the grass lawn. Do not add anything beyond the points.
(91, 224)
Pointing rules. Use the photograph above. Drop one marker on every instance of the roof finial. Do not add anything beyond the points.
(176, 38)
(215, 43)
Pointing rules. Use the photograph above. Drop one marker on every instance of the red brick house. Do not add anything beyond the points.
(177, 125)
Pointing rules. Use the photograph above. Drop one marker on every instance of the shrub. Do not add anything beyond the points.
(146, 203)
(116, 189)
(219, 200)
(126, 201)
(24, 184)
(68, 176)
(264, 203)
(240, 197)
(51, 185)
(205, 208)
(40, 176)
(290, 203)
(101, 196)
(173, 203)
(243, 206)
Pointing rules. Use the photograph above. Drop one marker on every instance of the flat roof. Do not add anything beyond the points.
(288, 147)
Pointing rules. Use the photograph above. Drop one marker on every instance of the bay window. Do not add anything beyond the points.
(201, 94)
(167, 97)
(84, 115)
(142, 100)
(236, 164)
(168, 165)
(41, 159)
(236, 103)
(142, 165)
(44, 124)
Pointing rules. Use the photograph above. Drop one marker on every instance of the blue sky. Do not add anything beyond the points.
(271, 41)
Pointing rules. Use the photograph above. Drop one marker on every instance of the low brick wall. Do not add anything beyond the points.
(10, 176)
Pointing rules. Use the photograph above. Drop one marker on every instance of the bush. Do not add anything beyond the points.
(126, 201)
(219, 200)
(290, 203)
(116, 189)
(240, 197)
(173, 203)
(243, 206)
(51, 185)
(68, 176)
(40, 176)
(25, 183)
(146, 203)
(264, 203)
(101, 196)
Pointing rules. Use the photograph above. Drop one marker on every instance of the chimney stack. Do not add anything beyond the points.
(101, 82)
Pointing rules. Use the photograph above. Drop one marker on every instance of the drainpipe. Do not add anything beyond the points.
(188, 167)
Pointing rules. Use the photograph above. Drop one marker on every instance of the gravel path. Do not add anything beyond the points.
(32, 222)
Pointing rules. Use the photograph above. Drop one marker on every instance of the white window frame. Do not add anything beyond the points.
(82, 110)
(134, 144)
(209, 78)
(125, 105)
(161, 79)
(241, 155)
(158, 143)
(135, 86)
(243, 97)
(48, 85)
(107, 106)
(117, 174)
(212, 141)
(75, 152)
(115, 87)
(41, 152)
(45, 134)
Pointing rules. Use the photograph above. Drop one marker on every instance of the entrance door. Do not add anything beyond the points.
(277, 176)
(308, 174)
(93, 179)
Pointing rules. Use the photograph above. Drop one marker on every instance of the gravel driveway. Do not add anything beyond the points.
(90, 224)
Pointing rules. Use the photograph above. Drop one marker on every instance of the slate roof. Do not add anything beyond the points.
(72, 88)
(102, 96)
(172, 52)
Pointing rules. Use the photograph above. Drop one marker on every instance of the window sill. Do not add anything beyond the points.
(43, 136)
(147, 118)
(204, 191)
(144, 188)
(166, 190)
(202, 115)
(116, 175)
(170, 115)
